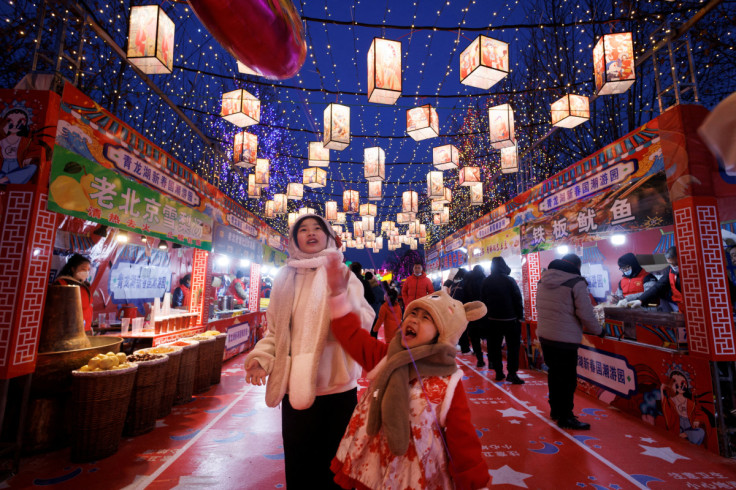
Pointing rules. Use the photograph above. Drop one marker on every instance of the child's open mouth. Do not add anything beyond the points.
(409, 333)
(311, 241)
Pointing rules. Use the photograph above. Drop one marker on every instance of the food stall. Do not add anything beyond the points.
(654, 188)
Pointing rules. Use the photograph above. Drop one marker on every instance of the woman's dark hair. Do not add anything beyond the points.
(239, 274)
(573, 259)
(185, 278)
(671, 253)
(393, 296)
(368, 276)
(295, 229)
(74, 261)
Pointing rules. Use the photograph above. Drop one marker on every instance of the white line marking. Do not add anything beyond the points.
(151, 478)
(554, 426)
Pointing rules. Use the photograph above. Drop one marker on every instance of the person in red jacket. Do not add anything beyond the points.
(412, 427)
(635, 279)
(389, 316)
(237, 288)
(75, 273)
(416, 286)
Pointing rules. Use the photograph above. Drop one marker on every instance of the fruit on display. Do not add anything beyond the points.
(106, 362)
(162, 349)
(212, 333)
(69, 194)
(143, 357)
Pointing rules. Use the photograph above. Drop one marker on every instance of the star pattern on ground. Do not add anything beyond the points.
(664, 453)
(512, 412)
(505, 475)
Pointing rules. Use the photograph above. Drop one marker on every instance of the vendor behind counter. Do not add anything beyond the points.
(668, 289)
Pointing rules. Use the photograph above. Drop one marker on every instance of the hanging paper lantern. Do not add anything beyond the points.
(379, 242)
(306, 210)
(387, 225)
(358, 229)
(446, 196)
(245, 149)
(241, 108)
(414, 228)
(253, 189)
(445, 157)
(341, 218)
(280, 203)
(314, 177)
(435, 185)
(484, 62)
(151, 40)
(422, 123)
(375, 190)
(422, 231)
(437, 206)
(291, 219)
(268, 210)
(468, 176)
(374, 164)
(263, 172)
(413, 244)
(350, 201)
(319, 156)
(404, 218)
(509, 160)
(501, 126)
(368, 233)
(336, 127)
(294, 190)
(384, 71)
(613, 63)
(570, 111)
(442, 218)
(245, 69)
(337, 229)
(368, 210)
(476, 194)
(331, 210)
(409, 202)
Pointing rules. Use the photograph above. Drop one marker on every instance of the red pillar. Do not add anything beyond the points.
(199, 272)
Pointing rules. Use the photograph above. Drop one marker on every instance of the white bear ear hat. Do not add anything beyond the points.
(450, 316)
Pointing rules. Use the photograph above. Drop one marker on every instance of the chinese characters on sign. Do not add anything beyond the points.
(606, 178)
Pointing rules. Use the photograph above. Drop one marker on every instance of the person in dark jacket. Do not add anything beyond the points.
(635, 281)
(367, 291)
(502, 298)
(378, 293)
(564, 311)
(456, 292)
(477, 329)
(667, 289)
(182, 293)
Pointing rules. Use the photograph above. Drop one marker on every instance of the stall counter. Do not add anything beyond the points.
(243, 331)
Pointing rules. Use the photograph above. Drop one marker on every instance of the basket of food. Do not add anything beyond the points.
(204, 362)
(187, 369)
(147, 391)
(101, 392)
(168, 388)
(220, 341)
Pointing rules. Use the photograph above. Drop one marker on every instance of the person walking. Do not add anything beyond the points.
(456, 292)
(416, 286)
(502, 298)
(357, 269)
(477, 329)
(564, 312)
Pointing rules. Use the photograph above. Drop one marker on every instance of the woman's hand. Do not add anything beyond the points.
(337, 275)
(254, 373)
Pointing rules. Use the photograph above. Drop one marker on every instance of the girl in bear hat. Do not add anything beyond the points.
(412, 428)
(308, 371)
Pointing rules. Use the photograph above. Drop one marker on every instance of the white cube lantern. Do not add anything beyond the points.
(379, 242)
(341, 218)
(422, 231)
(409, 202)
(468, 176)
(358, 229)
(476, 194)
(445, 157)
(375, 190)
(484, 62)
(413, 244)
(613, 63)
(509, 160)
(374, 164)
(314, 177)
(247, 70)
(414, 228)
(268, 210)
(422, 123)
(151, 40)
(294, 191)
(437, 207)
(331, 210)
(388, 225)
(369, 223)
(319, 156)
(263, 172)
(570, 111)
(384, 71)
(435, 185)
(368, 210)
(280, 204)
(501, 126)
(306, 210)
(336, 131)
(446, 196)
(350, 201)
(241, 108)
(245, 149)
(253, 189)
(405, 218)
(291, 219)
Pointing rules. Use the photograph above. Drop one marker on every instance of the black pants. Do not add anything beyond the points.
(511, 331)
(562, 360)
(478, 330)
(311, 438)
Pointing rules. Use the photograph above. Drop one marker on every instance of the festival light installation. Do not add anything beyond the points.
(245, 149)
(468, 176)
(336, 129)
(476, 194)
(331, 211)
(375, 190)
(263, 172)
(445, 157)
(570, 110)
(384, 71)
(269, 209)
(350, 201)
(422, 123)
(319, 156)
(253, 189)
(435, 185)
(294, 190)
(374, 164)
(241, 108)
(368, 210)
(501, 126)
(151, 40)
(410, 202)
(484, 62)
(314, 177)
(280, 204)
(613, 63)
(509, 160)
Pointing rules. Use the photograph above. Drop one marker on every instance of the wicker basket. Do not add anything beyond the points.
(187, 368)
(99, 404)
(216, 372)
(204, 362)
(170, 378)
(146, 396)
